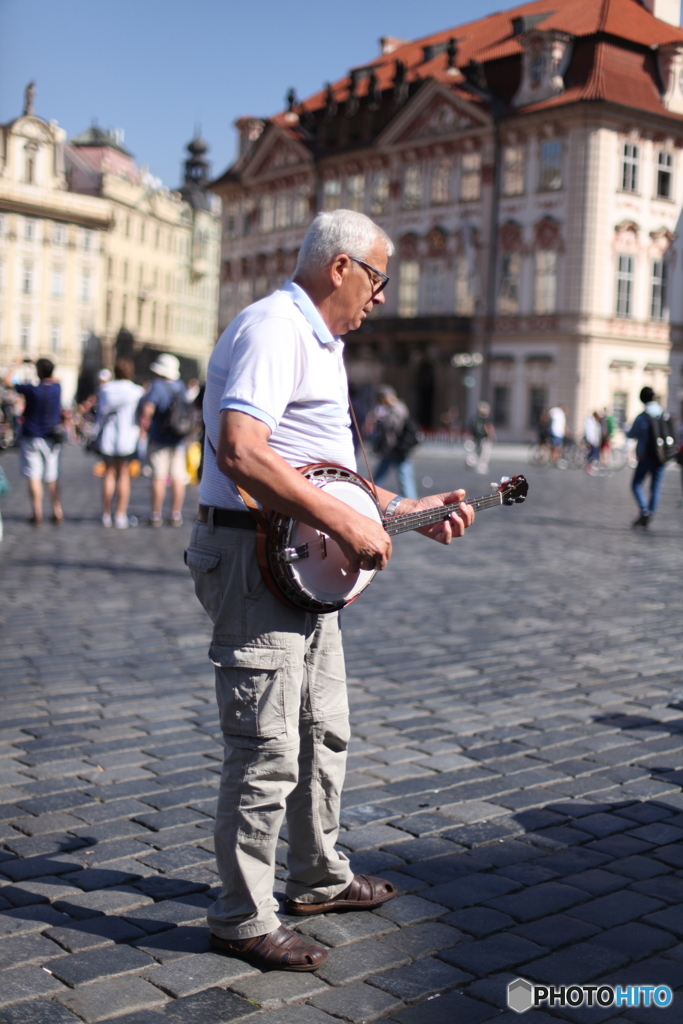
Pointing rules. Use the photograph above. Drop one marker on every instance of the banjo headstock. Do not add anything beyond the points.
(513, 489)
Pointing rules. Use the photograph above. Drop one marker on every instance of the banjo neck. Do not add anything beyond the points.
(415, 520)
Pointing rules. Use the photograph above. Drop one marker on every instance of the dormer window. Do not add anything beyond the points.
(545, 59)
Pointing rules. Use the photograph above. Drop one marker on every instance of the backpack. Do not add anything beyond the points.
(407, 439)
(663, 446)
(179, 418)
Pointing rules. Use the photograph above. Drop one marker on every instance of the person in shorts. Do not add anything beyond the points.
(557, 429)
(117, 443)
(165, 451)
(39, 443)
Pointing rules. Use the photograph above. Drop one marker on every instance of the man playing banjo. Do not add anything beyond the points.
(276, 399)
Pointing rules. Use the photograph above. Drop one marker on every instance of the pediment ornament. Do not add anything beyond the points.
(282, 156)
(436, 242)
(626, 236)
(548, 234)
(662, 240)
(440, 119)
(28, 128)
(511, 237)
(408, 247)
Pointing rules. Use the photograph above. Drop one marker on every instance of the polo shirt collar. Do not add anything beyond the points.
(304, 302)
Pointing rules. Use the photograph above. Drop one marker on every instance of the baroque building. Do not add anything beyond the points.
(93, 249)
(528, 167)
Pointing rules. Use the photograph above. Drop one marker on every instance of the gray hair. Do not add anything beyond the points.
(335, 232)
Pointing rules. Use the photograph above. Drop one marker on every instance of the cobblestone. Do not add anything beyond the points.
(525, 798)
(20, 984)
(105, 999)
(214, 1004)
(47, 1012)
(205, 970)
(340, 929)
(274, 989)
(421, 979)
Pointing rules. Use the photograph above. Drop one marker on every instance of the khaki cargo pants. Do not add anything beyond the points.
(281, 691)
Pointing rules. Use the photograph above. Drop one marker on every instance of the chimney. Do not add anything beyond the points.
(388, 44)
(665, 10)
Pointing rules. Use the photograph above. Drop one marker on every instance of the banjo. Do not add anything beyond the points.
(306, 569)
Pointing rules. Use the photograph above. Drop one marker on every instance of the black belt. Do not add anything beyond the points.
(230, 517)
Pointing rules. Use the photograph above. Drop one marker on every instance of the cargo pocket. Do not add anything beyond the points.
(250, 689)
(204, 568)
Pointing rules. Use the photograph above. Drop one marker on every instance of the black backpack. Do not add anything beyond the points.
(663, 445)
(407, 439)
(179, 418)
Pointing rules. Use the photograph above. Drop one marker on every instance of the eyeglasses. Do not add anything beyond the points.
(381, 281)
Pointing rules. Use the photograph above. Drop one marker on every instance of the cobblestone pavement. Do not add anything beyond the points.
(516, 770)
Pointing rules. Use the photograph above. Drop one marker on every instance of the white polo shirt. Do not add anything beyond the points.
(278, 362)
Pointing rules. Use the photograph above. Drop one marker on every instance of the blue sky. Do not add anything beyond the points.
(157, 67)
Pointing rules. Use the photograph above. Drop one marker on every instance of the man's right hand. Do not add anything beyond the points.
(365, 543)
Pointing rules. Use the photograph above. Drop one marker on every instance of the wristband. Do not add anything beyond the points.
(393, 505)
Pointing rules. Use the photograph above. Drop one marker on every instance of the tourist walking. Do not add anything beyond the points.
(592, 433)
(276, 398)
(117, 440)
(166, 442)
(649, 462)
(483, 435)
(41, 437)
(393, 438)
(606, 433)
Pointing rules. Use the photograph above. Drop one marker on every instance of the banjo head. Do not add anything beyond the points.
(321, 582)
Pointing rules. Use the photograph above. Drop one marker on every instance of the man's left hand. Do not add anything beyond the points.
(455, 526)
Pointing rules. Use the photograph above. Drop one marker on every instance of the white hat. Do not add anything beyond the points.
(167, 366)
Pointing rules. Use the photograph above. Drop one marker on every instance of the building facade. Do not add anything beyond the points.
(93, 249)
(528, 167)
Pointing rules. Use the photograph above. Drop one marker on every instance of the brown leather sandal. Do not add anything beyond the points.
(281, 949)
(365, 893)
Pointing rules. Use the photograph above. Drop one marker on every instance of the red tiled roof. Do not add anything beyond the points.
(621, 73)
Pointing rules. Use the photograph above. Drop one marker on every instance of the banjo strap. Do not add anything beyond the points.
(362, 448)
(257, 514)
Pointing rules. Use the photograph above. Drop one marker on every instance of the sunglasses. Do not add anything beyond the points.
(380, 280)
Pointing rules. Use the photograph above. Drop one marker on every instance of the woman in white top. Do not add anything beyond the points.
(117, 442)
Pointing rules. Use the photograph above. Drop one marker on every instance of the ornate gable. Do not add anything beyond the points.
(434, 113)
(275, 154)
